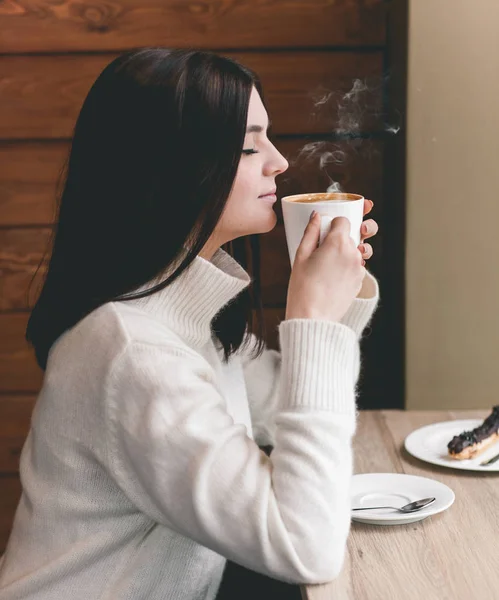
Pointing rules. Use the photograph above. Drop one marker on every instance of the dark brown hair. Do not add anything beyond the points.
(157, 125)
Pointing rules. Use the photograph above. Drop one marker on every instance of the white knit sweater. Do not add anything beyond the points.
(140, 472)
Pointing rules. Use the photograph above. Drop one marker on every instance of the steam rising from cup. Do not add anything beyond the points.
(349, 111)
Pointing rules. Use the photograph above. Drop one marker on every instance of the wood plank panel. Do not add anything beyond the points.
(21, 251)
(9, 498)
(66, 25)
(15, 418)
(29, 173)
(41, 95)
(18, 369)
(28, 176)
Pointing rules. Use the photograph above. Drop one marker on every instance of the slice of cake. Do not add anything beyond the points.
(472, 443)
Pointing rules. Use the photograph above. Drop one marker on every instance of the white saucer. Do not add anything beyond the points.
(429, 443)
(396, 489)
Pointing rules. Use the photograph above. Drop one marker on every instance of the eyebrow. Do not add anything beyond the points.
(257, 128)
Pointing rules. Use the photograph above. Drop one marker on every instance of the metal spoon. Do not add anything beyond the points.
(408, 508)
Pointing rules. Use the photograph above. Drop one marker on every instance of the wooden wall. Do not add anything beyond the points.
(52, 52)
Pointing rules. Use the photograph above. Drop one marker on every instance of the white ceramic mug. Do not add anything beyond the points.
(297, 209)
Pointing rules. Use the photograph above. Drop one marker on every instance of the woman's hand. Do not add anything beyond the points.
(324, 280)
(368, 230)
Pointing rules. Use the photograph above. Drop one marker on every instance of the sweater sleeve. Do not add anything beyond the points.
(179, 457)
(262, 373)
(362, 308)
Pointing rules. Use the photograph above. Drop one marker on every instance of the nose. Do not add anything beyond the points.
(276, 164)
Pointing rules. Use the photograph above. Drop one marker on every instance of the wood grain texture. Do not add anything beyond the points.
(70, 25)
(9, 497)
(28, 179)
(21, 253)
(451, 555)
(41, 95)
(15, 417)
(29, 173)
(18, 369)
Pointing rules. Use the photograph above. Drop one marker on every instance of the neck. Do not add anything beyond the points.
(209, 249)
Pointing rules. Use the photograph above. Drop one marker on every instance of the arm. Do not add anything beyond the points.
(180, 458)
(262, 373)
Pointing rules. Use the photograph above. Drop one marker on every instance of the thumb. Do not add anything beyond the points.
(310, 238)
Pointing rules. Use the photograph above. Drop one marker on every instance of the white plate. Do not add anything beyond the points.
(396, 489)
(429, 443)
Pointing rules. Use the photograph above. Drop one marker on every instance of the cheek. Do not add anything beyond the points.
(246, 184)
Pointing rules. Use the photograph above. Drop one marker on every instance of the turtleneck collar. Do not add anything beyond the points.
(189, 304)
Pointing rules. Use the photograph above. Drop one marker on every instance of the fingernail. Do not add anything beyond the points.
(313, 214)
(364, 228)
(362, 248)
(372, 203)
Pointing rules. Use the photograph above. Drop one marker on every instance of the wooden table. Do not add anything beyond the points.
(453, 555)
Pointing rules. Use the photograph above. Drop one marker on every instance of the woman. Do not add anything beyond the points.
(141, 473)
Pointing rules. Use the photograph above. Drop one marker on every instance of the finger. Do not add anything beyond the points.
(366, 251)
(310, 238)
(368, 229)
(368, 206)
(340, 226)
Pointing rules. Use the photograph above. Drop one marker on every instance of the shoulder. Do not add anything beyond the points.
(96, 342)
(152, 358)
(139, 327)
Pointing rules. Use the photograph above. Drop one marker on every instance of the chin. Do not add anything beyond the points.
(263, 225)
(270, 223)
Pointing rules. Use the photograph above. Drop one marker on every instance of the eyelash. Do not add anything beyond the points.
(251, 151)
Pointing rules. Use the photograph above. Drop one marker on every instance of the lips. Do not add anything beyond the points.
(269, 193)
